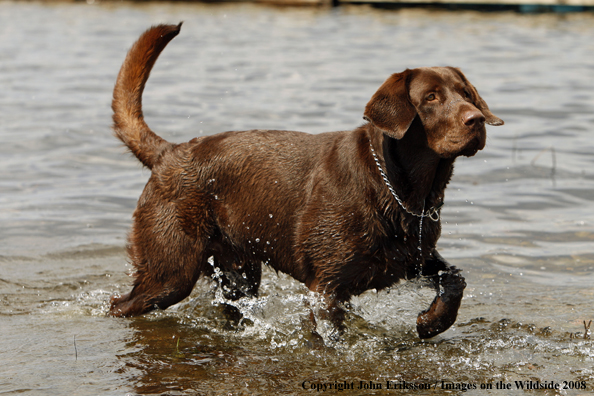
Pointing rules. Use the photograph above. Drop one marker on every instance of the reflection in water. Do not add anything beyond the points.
(195, 350)
(518, 217)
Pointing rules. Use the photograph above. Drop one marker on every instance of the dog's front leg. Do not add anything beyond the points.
(450, 285)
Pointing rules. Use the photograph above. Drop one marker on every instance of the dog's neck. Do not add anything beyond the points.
(417, 173)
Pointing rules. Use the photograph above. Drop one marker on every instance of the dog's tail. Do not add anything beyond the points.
(129, 125)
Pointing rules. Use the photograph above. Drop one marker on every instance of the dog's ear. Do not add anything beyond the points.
(480, 104)
(390, 108)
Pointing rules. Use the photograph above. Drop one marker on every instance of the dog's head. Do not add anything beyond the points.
(450, 109)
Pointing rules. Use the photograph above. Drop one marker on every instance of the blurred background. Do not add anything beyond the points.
(519, 216)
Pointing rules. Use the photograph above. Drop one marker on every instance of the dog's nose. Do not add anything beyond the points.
(472, 118)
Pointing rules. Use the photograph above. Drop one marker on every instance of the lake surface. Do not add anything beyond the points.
(519, 216)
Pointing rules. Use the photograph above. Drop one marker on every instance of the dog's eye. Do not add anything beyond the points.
(467, 94)
(430, 97)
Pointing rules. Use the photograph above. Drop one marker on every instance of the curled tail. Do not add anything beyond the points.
(129, 125)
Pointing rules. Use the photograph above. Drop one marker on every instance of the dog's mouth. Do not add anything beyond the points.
(472, 148)
(466, 146)
(475, 143)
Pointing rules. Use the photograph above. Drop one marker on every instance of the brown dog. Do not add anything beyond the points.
(342, 212)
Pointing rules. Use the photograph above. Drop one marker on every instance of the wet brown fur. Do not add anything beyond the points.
(312, 206)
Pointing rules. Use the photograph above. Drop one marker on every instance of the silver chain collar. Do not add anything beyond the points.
(432, 213)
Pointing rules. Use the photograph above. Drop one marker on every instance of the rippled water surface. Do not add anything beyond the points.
(519, 216)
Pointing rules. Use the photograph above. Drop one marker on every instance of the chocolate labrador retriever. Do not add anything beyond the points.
(342, 212)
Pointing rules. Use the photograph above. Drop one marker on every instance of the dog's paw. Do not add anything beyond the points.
(444, 309)
(437, 319)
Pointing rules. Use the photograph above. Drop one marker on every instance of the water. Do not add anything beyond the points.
(519, 216)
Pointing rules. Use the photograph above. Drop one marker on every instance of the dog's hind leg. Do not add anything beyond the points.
(450, 285)
(236, 279)
(239, 281)
(168, 256)
(158, 284)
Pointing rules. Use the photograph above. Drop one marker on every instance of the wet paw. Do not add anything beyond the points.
(444, 309)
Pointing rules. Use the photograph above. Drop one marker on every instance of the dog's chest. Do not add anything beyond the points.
(411, 242)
